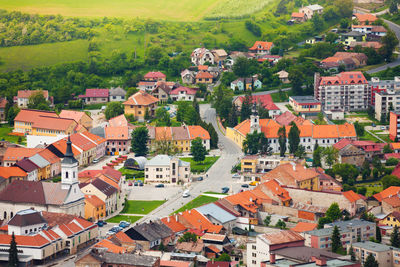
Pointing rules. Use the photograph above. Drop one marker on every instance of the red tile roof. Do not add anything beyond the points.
(188, 91)
(110, 246)
(351, 196)
(282, 237)
(275, 188)
(265, 100)
(117, 133)
(3, 102)
(96, 93)
(204, 75)
(350, 77)
(304, 227)
(388, 192)
(198, 221)
(49, 156)
(18, 153)
(30, 115)
(173, 224)
(25, 240)
(298, 15)
(94, 200)
(141, 98)
(290, 173)
(154, 75)
(28, 93)
(285, 118)
(7, 172)
(363, 18)
(263, 45)
(72, 114)
(198, 131)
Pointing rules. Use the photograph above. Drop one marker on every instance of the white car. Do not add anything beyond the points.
(186, 193)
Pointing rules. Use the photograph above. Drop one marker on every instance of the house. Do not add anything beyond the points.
(187, 76)
(389, 199)
(100, 143)
(370, 29)
(95, 96)
(204, 77)
(242, 84)
(155, 76)
(95, 258)
(202, 55)
(64, 197)
(147, 86)
(347, 60)
(370, 148)
(116, 94)
(298, 17)
(15, 154)
(10, 174)
(384, 86)
(272, 59)
(162, 91)
(59, 148)
(26, 117)
(365, 19)
(80, 117)
(263, 100)
(311, 10)
(218, 216)
(138, 104)
(383, 254)
(166, 169)
(190, 247)
(371, 44)
(276, 192)
(220, 56)
(118, 140)
(353, 36)
(249, 203)
(23, 97)
(95, 208)
(53, 160)
(350, 231)
(192, 219)
(305, 104)
(29, 167)
(392, 219)
(261, 47)
(302, 227)
(44, 166)
(183, 94)
(327, 182)
(265, 244)
(150, 235)
(283, 76)
(356, 88)
(315, 39)
(352, 155)
(394, 133)
(3, 104)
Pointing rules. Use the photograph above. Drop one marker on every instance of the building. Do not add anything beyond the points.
(27, 117)
(311, 10)
(146, 86)
(220, 55)
(150, 235)
(305, 105)
(187, 76)
(10, 174)
(23, 97)
(183, 94)
(260, 163)
(385, 102)
(348, 91)
(365, 19)
(95, 96)
(371, 44)
(116, 94)
(264, 245)
(30, 168)
(95, 208)
(218, 216)
(155, 76)
(392, 219)
(118, 140)
(138, 104)
(298, 17)
(3, 104)
(351, 154)
(383, 254)
(64, 197)
(43, 164)
(15, 154)
(162, 91)
(379, 86)
(166, 169)
(370, 29)
(354, 36)
(394, 130)
(54, 162)
(283, 76)
(263, 100)
(350, 231)
(204, 77)
(202, 55)
(347, 60)
(79, 117)
(261, 47)
(370, 148)
(245, 84)
(96, 259)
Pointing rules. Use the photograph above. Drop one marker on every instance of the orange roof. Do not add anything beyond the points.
(282, 237)
(327, 131)
(290, 174)
(348, 77)
(214, 248)
(74, 228)
(72, 114)
(331, 59)
(107, 180)
(393, 201)
(261, 45)
(25, 240)
(7, 172)
(28, 93)
(304, 227)
(118, 121)
(84, 223)
(49, 156)
(204, 75)
(395, 145)
(362, 18)
(173, 224)
(141, 98)
(94, 200)
(110, 246)
(275, 188)
(249, 199)
(198, 131)
(390, 191)
(117, 133)
(95, 138)
(53, 123)
(18, 153)
(30, 115)
(196, 220)
(351, 196)
(163, 133)
(298, 15)
(82, 142)
(175, 263)
(61, 145)
(122, 237)
(202, 67)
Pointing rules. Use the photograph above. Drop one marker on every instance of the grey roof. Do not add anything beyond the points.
(353, 33)
(351, 223)
(305, 99)
(27, 217)
(315, 7)
(151, 231)
(117, 91)
(305, 253)
(141, 161)
(159, 160)
(384, 83)
(39, 161)
(372, 246)
(329, 263)
(216, 212)
(127, 259)
(99, 131)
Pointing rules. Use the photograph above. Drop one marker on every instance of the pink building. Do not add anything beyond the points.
(118, 140)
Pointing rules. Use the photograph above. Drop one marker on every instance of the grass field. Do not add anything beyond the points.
(201, 166)
(5, 129)
(118, 218)
(197, 202)
(372, 188)
(141, 206)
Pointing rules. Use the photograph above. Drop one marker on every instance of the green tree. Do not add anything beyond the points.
(163, 118)
(223, 257)
(188, 237)
(147, 114)
(256, 143)
(282, 140)
(198, 150)
(13, 253)
(370, 261)
(280, 224)
(393, 7)
(267, 220)
(140, 137)
(346, 171)
(331, 155)
(300, 152)
(38, 101)
(390, 180)
(366, 170)
(336, 242)
(333, 212)
(387, 149)
(394, 238)
(294, 138)
(322, 221)
(245, 110)
(378, 234)
(12, 112)
(389, 43)
(317, 156)
(233, 116)
(113, 109)
(352, 254)
(244, 67)
(359, 129)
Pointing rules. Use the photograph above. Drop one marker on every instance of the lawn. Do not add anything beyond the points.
(130, 173)
(197, 202)
(215, 193)
(141, 206)
(201, 166)
(118, 218)
(177, 10)
(372, 188)
(368, 136)
(282, 96)
(5, 129)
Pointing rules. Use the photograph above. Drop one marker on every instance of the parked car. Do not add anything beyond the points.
(200, 178)
(236, 175)
(245, 185)
(96, 161)
(186, 193)
(124, 224)
(160, 185)
(103, 222)
(136, 184)
(225, 190)
(100, 223)
(254, 183)
(116, 229)
(130, 184)
(141, 184)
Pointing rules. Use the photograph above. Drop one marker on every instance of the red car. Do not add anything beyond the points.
(130, 184)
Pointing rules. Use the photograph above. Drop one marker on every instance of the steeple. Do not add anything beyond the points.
(69, 156)
(69, 168)
(254, 120)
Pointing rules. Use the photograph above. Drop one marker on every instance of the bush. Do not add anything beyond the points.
(392, 162)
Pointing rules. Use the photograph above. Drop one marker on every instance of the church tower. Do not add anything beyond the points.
(69, 168)
(254, 120)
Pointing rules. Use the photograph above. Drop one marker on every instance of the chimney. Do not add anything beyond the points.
(272, 258)
(176, 218)
(168, 219)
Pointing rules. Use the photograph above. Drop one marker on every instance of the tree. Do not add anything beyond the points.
(393, 7)
(359, 129)
(333, 212)
(198, 150)
(13, 253)
(267, 220)
(113, 109)
(347, 171)
(38, 101)
(336, 243)
(294, 138)
(223, 257)
(161, 247)
(317, 156)
(387, 149)
(352, 254)
(282, 140)
(370, 261)
(140, 137)
(378, 234)
(389, 43)
(12, 112)
(390, 180)
(256, 143)
(331, 155)
(280, 224)
(366, 170)
(244, 67)
(147, 114)
(322, 221)
(233, 116)
(300, 152)
(245, 110)
(188, 237)
(394, 237)
(163, 118)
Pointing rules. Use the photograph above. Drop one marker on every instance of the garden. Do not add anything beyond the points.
(201, 167)
(118, 218)
(197, 202)
(141, 206)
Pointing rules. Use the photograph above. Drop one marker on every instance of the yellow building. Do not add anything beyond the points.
(26, 117)
(249, 164)
(44, 170)
(139, 103)
(392, 219)
(305, 104)
(79, 116)
(95, 208)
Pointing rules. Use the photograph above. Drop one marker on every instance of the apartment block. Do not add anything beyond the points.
(394, 126)
(386, 102)
(378, 86)
(385, 255)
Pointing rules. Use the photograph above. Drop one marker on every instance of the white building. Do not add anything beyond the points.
(183, 94)
(202, 55)
(117, 94)
(23, 97)
(311, 10)
(166, 169)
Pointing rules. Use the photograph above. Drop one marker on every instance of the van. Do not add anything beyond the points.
(186, 193)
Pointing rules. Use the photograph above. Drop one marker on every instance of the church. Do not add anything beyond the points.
(65, 197)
